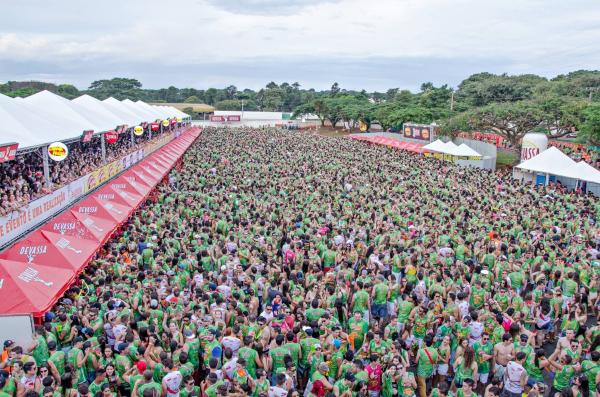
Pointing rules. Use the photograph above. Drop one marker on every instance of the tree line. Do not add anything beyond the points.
(507, 105)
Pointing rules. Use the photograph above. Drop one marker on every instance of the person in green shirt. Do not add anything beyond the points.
(189, 387)
(39, 347)
(146, 383)
(379, 295)
(357, 329)
(484, 352)
(590, 368)
(360, 301)
(426, 358)
(564, 372)
(277, 355)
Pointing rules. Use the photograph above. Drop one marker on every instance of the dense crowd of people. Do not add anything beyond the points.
(277, 263)
(22, 180)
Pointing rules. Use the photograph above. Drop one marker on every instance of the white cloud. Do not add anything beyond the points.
(542, 36)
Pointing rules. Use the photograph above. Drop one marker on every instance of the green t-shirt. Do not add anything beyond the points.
(563, 377)
(483, 366)
(381, 292)
(426, 362)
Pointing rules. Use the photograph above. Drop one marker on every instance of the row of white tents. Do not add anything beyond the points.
(45, 117)
(450, 148)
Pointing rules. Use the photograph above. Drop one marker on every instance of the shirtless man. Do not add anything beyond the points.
(563, 344)
(503, 353)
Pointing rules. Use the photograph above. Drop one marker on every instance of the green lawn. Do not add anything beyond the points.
(506, 159)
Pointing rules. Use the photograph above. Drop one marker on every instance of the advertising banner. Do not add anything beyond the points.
(8, 152)
(234, 118)
(421, 132)
(37, 211)
(217, 119)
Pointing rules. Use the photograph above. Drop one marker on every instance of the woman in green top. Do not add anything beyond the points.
(536, 365)
(465, 367)
(407, 385)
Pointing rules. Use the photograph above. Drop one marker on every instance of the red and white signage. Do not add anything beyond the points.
(218, 119)
(8, 152)
(236, 117)
(111, 136)
(154, 127)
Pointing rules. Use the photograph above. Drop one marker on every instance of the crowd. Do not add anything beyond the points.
(22, 180)
(275, 263)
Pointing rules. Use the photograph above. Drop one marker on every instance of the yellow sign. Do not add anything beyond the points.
(58, 151)
(179, 119)
(138, 130)
(362, 126)
(166, 123)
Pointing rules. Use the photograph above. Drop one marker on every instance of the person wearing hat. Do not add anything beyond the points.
(321, 375)
(135, 373)
(4, 358)
(523, 345)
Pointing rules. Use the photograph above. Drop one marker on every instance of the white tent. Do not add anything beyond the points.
(552, 161)
(465, 150)
(436, 146)
(12, 129)
(93, 105)
(39, 126)
(152, 109)
(587, 172)
(63, 113)
(129, 117)
(129, 104)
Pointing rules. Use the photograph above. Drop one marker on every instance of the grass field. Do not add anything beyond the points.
(505, 159)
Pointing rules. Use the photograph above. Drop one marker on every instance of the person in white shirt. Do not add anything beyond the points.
(278, 390)
(172, 381)
(515, 376)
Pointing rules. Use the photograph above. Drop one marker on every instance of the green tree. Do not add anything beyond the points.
(590, 128)
(511, 120)
(229, 104)
(118, 87)
(192, 99)
(68, 91)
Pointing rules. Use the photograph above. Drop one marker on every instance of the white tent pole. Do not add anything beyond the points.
(547, 178)
(46, 165)
(103, 147)
(132, 138)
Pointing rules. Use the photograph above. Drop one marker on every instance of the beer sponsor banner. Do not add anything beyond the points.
(27, 217)
(417, 131)
(8, 152)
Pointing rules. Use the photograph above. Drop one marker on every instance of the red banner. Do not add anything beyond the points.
(8, 152)
(87, 135)
(154, 127)
(234, 118)
(111, 136)
(218, 119)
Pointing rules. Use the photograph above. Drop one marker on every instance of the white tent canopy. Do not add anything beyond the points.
(587, 172)
(45, 117)
(436, 146)
(465, 150)
(450, 148)
(552, 161)
(95, 106)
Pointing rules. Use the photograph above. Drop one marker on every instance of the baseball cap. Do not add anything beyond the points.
(141, 366)
(8, 343)
(524, 337)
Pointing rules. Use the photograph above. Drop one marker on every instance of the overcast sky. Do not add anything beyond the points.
(371, 44)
